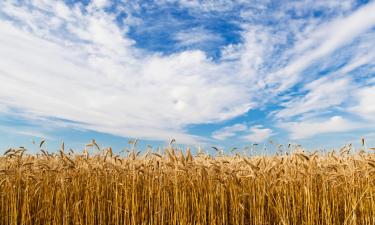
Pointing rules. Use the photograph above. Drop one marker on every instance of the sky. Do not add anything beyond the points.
(227, 73)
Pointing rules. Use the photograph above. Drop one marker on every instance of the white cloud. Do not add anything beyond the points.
(196, 36)
(85, 70)
(358, 61)
(307, 129)
(230, 131)
(3, 108)
(322, 94)
(323, 40)
(206, 5)
(100, 3)
(371, 81)
(258, 134)
(62, 10)
(253, 57)
(365, 106)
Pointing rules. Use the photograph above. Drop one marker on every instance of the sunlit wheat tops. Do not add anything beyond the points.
(175, 186)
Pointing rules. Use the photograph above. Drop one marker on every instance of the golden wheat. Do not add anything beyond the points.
(178, 188)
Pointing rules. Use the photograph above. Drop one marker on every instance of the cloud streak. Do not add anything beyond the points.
(308, 129)
(322, 41)
(256, 133)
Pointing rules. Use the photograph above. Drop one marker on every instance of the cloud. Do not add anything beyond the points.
(206, 5)
(307, 129)
(275, 58)
(84, 69)
(258, 134)
(327, 63)
(100, 3)
(3, 108)
(322, 94)
(360, 60)
(227, 132)
(324, 40)
(365, 106)
(198, 37)
(371, 81)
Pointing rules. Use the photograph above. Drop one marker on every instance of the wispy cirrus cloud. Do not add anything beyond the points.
(343, 75)
(322, 41)
(321, 94)
(309, 128)
(197, 37)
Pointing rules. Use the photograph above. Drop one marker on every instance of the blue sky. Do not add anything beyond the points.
(223, 73)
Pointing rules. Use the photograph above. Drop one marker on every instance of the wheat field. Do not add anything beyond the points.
(176, 187)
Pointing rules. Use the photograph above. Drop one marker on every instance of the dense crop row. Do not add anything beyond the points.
(177, 188)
